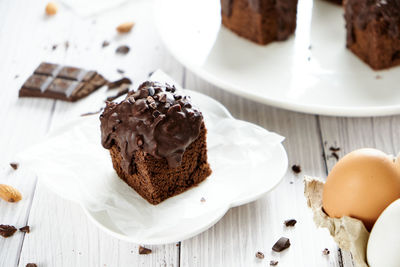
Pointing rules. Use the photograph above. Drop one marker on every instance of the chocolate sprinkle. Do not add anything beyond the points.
(123, 50)
(296, 168)
(273, 263)
(7, 230)
(282, 244)
(14, 165)
(290, 223)
(25, 229)
(260, 255)
(144, 251)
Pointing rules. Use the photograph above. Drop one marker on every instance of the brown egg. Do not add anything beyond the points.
(361, 185)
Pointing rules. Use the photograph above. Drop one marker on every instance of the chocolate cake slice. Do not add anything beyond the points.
(157, 141)
(373, 31)
(261, 21)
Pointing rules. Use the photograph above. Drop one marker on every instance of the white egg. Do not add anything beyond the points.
(384, 241)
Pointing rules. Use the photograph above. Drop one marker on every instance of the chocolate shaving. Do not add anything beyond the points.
(122, 91)
(273, 263)
(118, 83)
(14, 165)
(144, 251)
(7, 230)
(334, 149)
(25, 229)
(260, 255)
(290, 223)
(296, 168)
(123, 50)
(282, 244)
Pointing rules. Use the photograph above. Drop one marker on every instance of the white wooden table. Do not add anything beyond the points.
(62, 235)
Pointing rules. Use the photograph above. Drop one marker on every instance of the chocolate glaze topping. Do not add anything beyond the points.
(361, 12)
(155, 119)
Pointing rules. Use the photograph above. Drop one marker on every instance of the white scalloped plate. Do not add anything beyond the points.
(326, 79)
(72, 163)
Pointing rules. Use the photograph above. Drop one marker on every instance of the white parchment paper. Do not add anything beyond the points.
(242, 156)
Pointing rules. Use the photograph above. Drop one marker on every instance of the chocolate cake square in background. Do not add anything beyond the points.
(157, 141)
(373, 31)
(261, 21)
(61, 82)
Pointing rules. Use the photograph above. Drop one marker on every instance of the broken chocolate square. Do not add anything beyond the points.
(61, 82)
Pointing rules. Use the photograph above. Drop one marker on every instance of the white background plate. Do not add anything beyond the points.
(247, 162)
(326, 79)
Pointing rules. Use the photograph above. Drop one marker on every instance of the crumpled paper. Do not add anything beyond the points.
(350, 234)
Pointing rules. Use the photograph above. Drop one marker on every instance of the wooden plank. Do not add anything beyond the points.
(63, 235)
(256, 226)
(354, 133)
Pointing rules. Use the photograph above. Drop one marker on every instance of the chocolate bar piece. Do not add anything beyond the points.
(61, 82)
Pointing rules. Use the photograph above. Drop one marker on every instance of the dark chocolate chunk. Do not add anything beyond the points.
(105, 43)
(63, 83)
(273, 263)
(326, 251)
(296, 168)
(118, 83)
(290, 222)
(334, 149)
(14, 165)
(259, 255)
(282, 244)
(123, 50)
(25, 229)
(31, 265)
(7, 230)
(143, 250)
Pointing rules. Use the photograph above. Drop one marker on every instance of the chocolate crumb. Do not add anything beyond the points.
(296, 168)
(290, 223)
(7, 230)
(309, 59)
(54, 47)
(14, 165)
(309, 47)
(120, 71)
(16, 76)
(260, 255)
(91, 113)
(290, 182)
(66, 44)
(378, 77)
(335, 155)
(31, 265)
(334, 149)
(326, 251)
(150, 73)
(143, 250)
(123, 50)
(202, 200)
(25, 229)
(105, 43)
(282, 244)
(273, 263)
